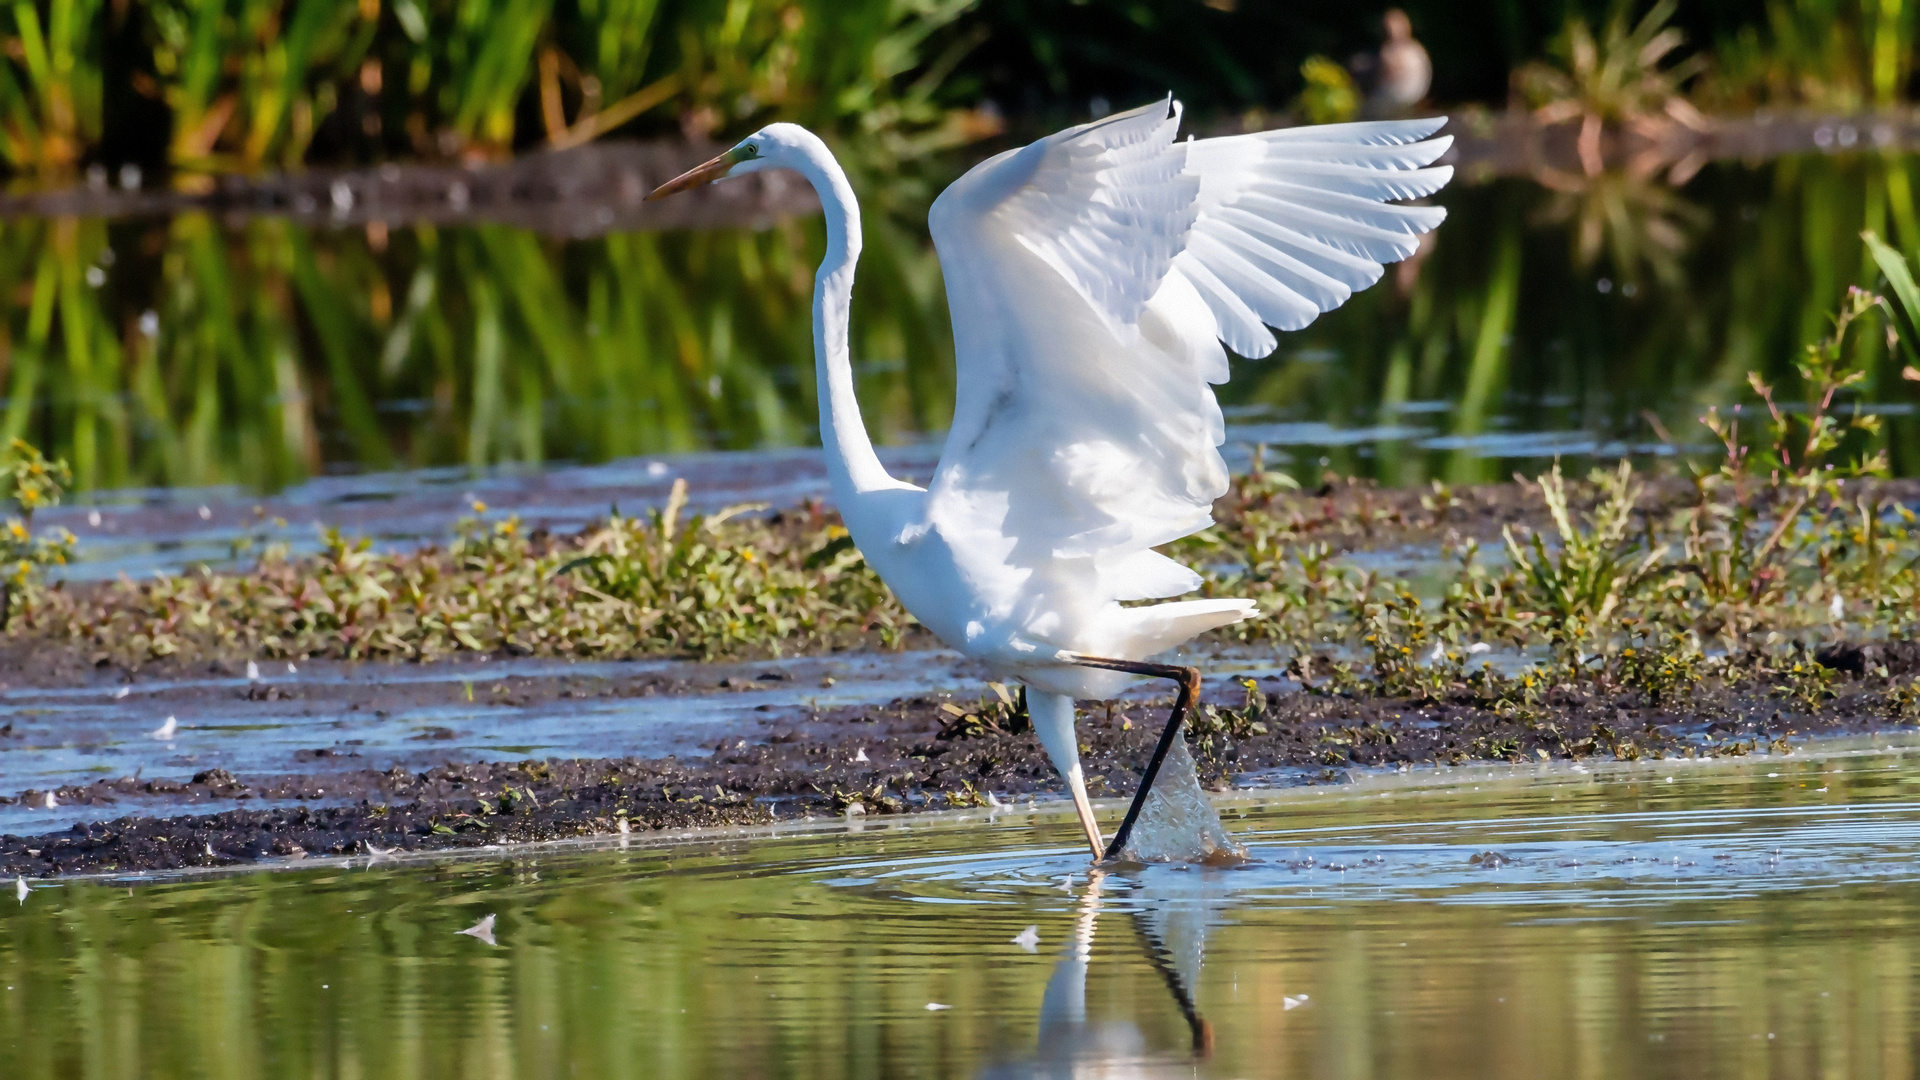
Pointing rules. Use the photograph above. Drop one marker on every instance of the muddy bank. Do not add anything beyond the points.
(933, 752)
(586, 191)
(1516, 143)
(599, 188)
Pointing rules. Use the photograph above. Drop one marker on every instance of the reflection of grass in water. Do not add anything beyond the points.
(278, 350)
(610, 961)
(67, 361)
(271, 349)
(1692, 302)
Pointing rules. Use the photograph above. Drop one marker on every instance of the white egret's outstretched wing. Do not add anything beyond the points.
(1092, 277)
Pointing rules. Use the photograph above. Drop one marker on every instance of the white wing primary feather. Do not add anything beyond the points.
(1092, 277)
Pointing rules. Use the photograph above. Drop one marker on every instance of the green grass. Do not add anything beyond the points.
(666, 583)
(248, 85)
(248, 81)
(51, 84)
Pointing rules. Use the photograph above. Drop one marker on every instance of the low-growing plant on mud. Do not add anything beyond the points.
(672, 583)
(1244, 722)
(1903, 701)
(32, 482)
(1661, 670)
(1576, 588)
(1003, 714)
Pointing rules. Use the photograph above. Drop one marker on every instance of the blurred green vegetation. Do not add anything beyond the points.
(218, 85)
(188, 352)
(50, 84)
(193, 351)
(1589, 309)
(1045, 60)
(261, 352)
(202, 86)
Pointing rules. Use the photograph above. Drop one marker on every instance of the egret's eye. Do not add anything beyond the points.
(751, 150)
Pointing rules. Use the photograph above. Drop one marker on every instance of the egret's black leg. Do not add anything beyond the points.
(1188, 679)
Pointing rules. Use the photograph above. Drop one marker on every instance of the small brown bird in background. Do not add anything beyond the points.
(1398, 76)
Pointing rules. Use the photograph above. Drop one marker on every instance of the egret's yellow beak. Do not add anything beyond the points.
(701, 174)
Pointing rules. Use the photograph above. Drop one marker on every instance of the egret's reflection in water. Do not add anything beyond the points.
(1170, 913)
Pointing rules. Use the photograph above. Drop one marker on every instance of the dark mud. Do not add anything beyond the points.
(599, 188)
(933, 753)
(586, 191)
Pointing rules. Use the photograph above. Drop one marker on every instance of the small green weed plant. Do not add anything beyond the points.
(32, 483)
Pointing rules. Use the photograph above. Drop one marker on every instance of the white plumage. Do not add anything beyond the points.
(1092, 278)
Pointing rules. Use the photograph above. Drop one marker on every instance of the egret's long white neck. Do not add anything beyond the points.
(851, 463)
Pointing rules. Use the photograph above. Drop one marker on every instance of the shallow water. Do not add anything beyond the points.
(1740, 919)
(324, 716)
(443, 712)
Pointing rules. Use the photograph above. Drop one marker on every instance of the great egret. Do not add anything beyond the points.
(1091, 278)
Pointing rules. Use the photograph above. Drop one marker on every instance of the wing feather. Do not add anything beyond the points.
(1356, 272)
(1093, 276)
(1370, 183)
(1263, 294)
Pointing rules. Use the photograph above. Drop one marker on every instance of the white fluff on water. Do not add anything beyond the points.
(482, 930)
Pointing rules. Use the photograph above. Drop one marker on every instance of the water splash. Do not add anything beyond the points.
(1178, 823)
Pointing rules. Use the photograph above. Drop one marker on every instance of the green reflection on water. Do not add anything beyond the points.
(194, 351)
(185, 352)
(1780, 940)
(1583, 308)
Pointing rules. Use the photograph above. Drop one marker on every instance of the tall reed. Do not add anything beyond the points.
(50, 83)
(247, 81)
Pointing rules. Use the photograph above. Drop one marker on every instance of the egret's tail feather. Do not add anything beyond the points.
(1163, 626)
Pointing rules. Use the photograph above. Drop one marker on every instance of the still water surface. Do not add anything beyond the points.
(1759, 918)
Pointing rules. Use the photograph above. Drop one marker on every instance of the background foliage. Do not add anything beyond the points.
(250, 84)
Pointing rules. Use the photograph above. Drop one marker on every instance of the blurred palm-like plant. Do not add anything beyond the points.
(50, 83)
(249, 80)
(1616, 78)
(1631, 216)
